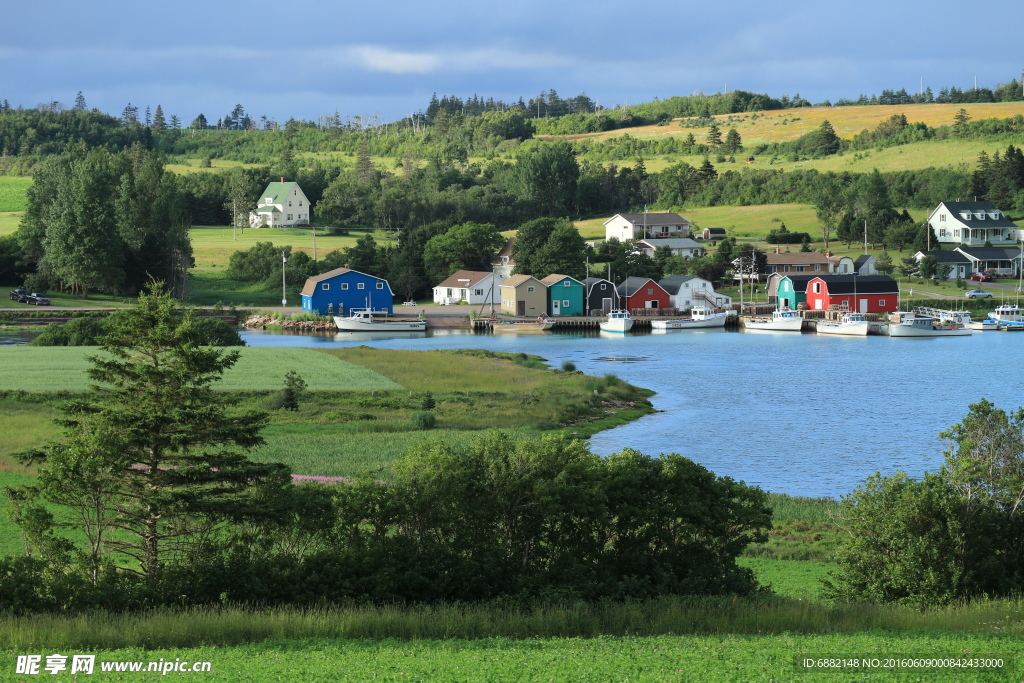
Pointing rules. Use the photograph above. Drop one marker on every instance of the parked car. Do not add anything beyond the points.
(38, 299)
(17, 294)
(981, 277)
(978, 294)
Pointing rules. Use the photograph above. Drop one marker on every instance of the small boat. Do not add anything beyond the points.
(913, 325)
(700, 316)
(1007, 313)
(538, 325)
(782, 319)
(854, 324)
(618, 321)
(368, 320)
(983, 325)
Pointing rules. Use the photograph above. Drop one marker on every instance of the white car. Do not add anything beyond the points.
(978, 294)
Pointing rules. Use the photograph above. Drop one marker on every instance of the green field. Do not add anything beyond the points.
(213, 245)
(27, 368)
(12, 193)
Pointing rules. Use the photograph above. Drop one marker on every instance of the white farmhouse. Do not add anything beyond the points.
(687, 291)
(282, 205)
(469, 286)
(680, 246)
(634, 226)
(972, 224)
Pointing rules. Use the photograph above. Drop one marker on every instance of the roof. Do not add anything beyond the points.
(267, 208)
(799, 281)
(799, 257)
(673, 243)
(862, 284)
(464, 278)
(862, 259)
(652, 219)
(632, 285)
(672, 283)
(278, 191)
(506, 251)
(517, 280)
(956, 208)
(943, 256)
(991, 253)
(589, 283)
(556, 277)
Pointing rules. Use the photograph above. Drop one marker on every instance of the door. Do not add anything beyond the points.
(606, 305)
(863, 305)
(555, 310)
(520, 308)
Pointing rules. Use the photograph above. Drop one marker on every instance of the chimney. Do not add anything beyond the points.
(282, 179)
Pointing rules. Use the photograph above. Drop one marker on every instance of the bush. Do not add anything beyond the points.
(77, 332)
(568, 366)
(427, 402)
(424, 420)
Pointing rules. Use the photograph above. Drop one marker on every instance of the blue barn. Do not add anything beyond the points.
(341, 290)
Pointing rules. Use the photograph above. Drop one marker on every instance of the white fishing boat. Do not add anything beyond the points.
(983, 325)
(783, 319)
(851, 324)
(914, 325)
(368, 320)
(700, 316)
(618, 321)
(1008, 316)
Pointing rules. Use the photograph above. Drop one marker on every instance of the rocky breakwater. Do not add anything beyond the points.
(265, 321)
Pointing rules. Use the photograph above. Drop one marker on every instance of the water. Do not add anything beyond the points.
(794, 413)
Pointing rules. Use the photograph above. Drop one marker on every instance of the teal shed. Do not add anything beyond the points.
(793, 291)
(565, 295)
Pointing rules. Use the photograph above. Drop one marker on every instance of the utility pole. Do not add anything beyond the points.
(284, 291)
(234, 220)
(865, 236)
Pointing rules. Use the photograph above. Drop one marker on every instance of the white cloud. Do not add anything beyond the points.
(394, 62)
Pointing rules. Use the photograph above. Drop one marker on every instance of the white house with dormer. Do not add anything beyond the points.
(282, 205)
(972, 224)
(637, 226)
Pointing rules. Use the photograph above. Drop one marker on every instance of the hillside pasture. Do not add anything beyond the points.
(788, 124)
(212, 245)
(9, 222)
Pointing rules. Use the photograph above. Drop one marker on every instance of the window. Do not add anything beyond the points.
(817, 266)
(942, 232)
(289, 216)
(344, 285)
(604, 287)
(289, 202)
(478, 292)
(300, 202)
(650, 290)
(981, 216)
(786, 269)
(325, 286)
(967, 216)
(565, 303)
(817, 288)
(881, 302)
(449, 291)
(565, 284)
(942, 218)
(361, 285)
(798, 269)
(956, 233)
(531, 289)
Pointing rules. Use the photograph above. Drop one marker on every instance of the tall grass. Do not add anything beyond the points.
(227, 626)
(12, 193)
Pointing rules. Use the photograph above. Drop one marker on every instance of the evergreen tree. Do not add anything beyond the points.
(714, 136)
(130, 114)
(159, 124)
(80, 102)
(960, 122)
(733, 141)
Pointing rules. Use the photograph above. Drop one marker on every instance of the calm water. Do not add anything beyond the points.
(795, 413)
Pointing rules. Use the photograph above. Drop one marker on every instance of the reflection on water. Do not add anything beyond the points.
(16, 336)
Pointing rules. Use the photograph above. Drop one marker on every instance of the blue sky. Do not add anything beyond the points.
(310, 57)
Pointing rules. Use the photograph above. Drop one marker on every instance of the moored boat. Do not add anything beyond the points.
(617, 321)
(851, 324)
(912, 325)
(983, 325)
(538, 325)
(368, 320)
(700, 316)
(1007, 313)
(784, 319)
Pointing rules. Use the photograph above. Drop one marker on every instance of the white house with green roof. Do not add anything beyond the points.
(282, 205)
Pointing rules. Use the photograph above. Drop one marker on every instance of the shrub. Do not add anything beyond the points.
(424, 420)
(568, 366)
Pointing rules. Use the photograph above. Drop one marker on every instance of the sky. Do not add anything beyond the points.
(307, 58)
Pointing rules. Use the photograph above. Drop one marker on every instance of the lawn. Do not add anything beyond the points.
(213, 245)
(9, 222)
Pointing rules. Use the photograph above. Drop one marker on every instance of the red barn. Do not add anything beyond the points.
(861, 293)
(642, 292)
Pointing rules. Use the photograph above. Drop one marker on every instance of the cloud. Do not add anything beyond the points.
(393, 62)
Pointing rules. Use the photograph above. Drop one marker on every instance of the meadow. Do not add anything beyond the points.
(12, 193)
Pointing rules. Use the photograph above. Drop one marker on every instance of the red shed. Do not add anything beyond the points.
(642, 292)
(862, 293)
